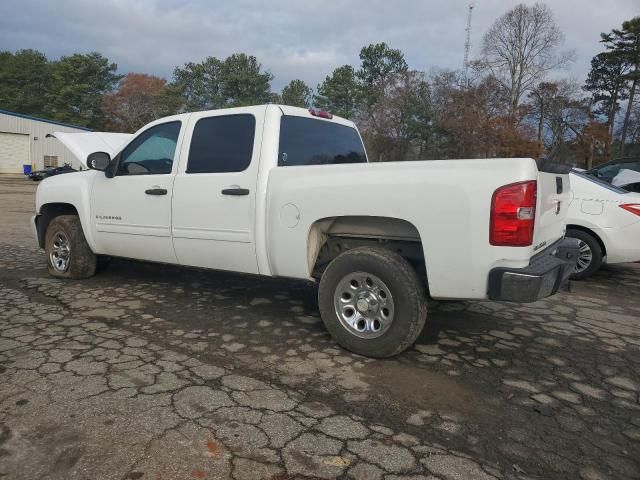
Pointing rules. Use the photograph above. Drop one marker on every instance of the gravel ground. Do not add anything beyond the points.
(153, 372)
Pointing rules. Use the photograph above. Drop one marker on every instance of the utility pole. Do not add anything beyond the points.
(467, 43)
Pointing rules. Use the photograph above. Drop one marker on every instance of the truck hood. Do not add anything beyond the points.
(85, 143)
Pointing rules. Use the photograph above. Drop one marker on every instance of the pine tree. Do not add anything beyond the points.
(625, 45)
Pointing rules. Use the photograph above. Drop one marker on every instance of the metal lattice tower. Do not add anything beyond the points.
(467, 43)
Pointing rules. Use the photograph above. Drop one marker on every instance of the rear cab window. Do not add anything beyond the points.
(308, 141)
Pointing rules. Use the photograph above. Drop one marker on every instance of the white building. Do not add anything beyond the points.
(23, 141)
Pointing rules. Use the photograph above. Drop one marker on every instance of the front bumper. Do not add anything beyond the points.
(546, 273)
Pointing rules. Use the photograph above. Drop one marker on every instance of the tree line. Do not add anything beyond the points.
(510, 101)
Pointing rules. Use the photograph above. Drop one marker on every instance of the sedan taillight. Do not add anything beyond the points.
(631, 207)
(513, 214)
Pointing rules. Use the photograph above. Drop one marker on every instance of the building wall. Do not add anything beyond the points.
(39, 144)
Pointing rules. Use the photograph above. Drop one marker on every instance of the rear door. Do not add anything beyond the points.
(552, 206)
(214, 193)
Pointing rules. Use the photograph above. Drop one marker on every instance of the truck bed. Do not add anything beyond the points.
(448, 203)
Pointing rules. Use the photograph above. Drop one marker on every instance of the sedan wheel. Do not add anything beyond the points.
(585, 256)
(589, 254)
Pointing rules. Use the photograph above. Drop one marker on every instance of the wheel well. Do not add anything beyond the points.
(329, 237)
(48, 212)
(590, 232)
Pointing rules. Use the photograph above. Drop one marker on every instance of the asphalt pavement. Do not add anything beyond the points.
(149, 371)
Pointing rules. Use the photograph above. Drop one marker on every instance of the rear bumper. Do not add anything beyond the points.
(546, 273)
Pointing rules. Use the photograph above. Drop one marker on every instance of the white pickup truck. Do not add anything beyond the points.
(287, 192)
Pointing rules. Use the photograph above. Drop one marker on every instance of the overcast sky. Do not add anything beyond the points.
(303, 39)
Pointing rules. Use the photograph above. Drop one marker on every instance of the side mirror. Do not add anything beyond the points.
(98, 161)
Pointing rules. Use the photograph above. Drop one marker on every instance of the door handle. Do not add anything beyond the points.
(237, 191)
(156, 191)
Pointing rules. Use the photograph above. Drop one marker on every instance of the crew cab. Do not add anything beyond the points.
(287, 192)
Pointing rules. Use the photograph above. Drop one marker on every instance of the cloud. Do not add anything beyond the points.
(304, 39)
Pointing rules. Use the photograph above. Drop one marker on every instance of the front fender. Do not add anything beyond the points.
(72, 189)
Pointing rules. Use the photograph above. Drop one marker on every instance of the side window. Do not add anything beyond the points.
(222, 144)
(151, 152)
(307, 141)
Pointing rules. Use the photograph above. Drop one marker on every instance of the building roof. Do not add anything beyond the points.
(45, 120)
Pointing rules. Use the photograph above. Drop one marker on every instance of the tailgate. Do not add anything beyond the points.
(551, 210)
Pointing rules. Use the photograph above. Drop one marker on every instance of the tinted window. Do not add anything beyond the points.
(151, 152)
(222, 144)
(305, 141)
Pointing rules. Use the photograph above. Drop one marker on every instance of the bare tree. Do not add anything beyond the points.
(539, 106)
(521, 47)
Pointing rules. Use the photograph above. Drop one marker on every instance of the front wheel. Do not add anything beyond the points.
(67, 251)
(589, 254)
(372, 302)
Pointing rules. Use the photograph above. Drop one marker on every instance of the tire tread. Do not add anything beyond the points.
(83, 260)
(402, 273)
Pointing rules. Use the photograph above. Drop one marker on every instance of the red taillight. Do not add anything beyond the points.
(320, 113)
(513, 215)
(631, 207)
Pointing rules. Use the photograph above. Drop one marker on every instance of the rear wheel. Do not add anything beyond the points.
(372, 302)
(67, 251)
(589, 254)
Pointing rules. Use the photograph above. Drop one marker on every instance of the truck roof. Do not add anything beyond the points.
(285, 109)
(305, 112)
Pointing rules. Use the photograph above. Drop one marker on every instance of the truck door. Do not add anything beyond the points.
(131, 212)
(214, 195)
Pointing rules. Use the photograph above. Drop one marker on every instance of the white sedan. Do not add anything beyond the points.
(606, 221)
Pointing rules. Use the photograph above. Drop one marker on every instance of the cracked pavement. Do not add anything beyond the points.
(154, 372)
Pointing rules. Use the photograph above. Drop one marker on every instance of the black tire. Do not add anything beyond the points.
(408, 293)
(81, 262)
(596, 253)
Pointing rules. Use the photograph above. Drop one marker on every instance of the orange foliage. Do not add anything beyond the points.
(134, 103)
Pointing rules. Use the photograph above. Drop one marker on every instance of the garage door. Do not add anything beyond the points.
(14, 152)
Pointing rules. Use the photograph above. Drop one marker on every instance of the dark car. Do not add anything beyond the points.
(608, 171)
(50, 172)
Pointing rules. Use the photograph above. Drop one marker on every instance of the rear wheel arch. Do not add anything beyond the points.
(329, 237)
